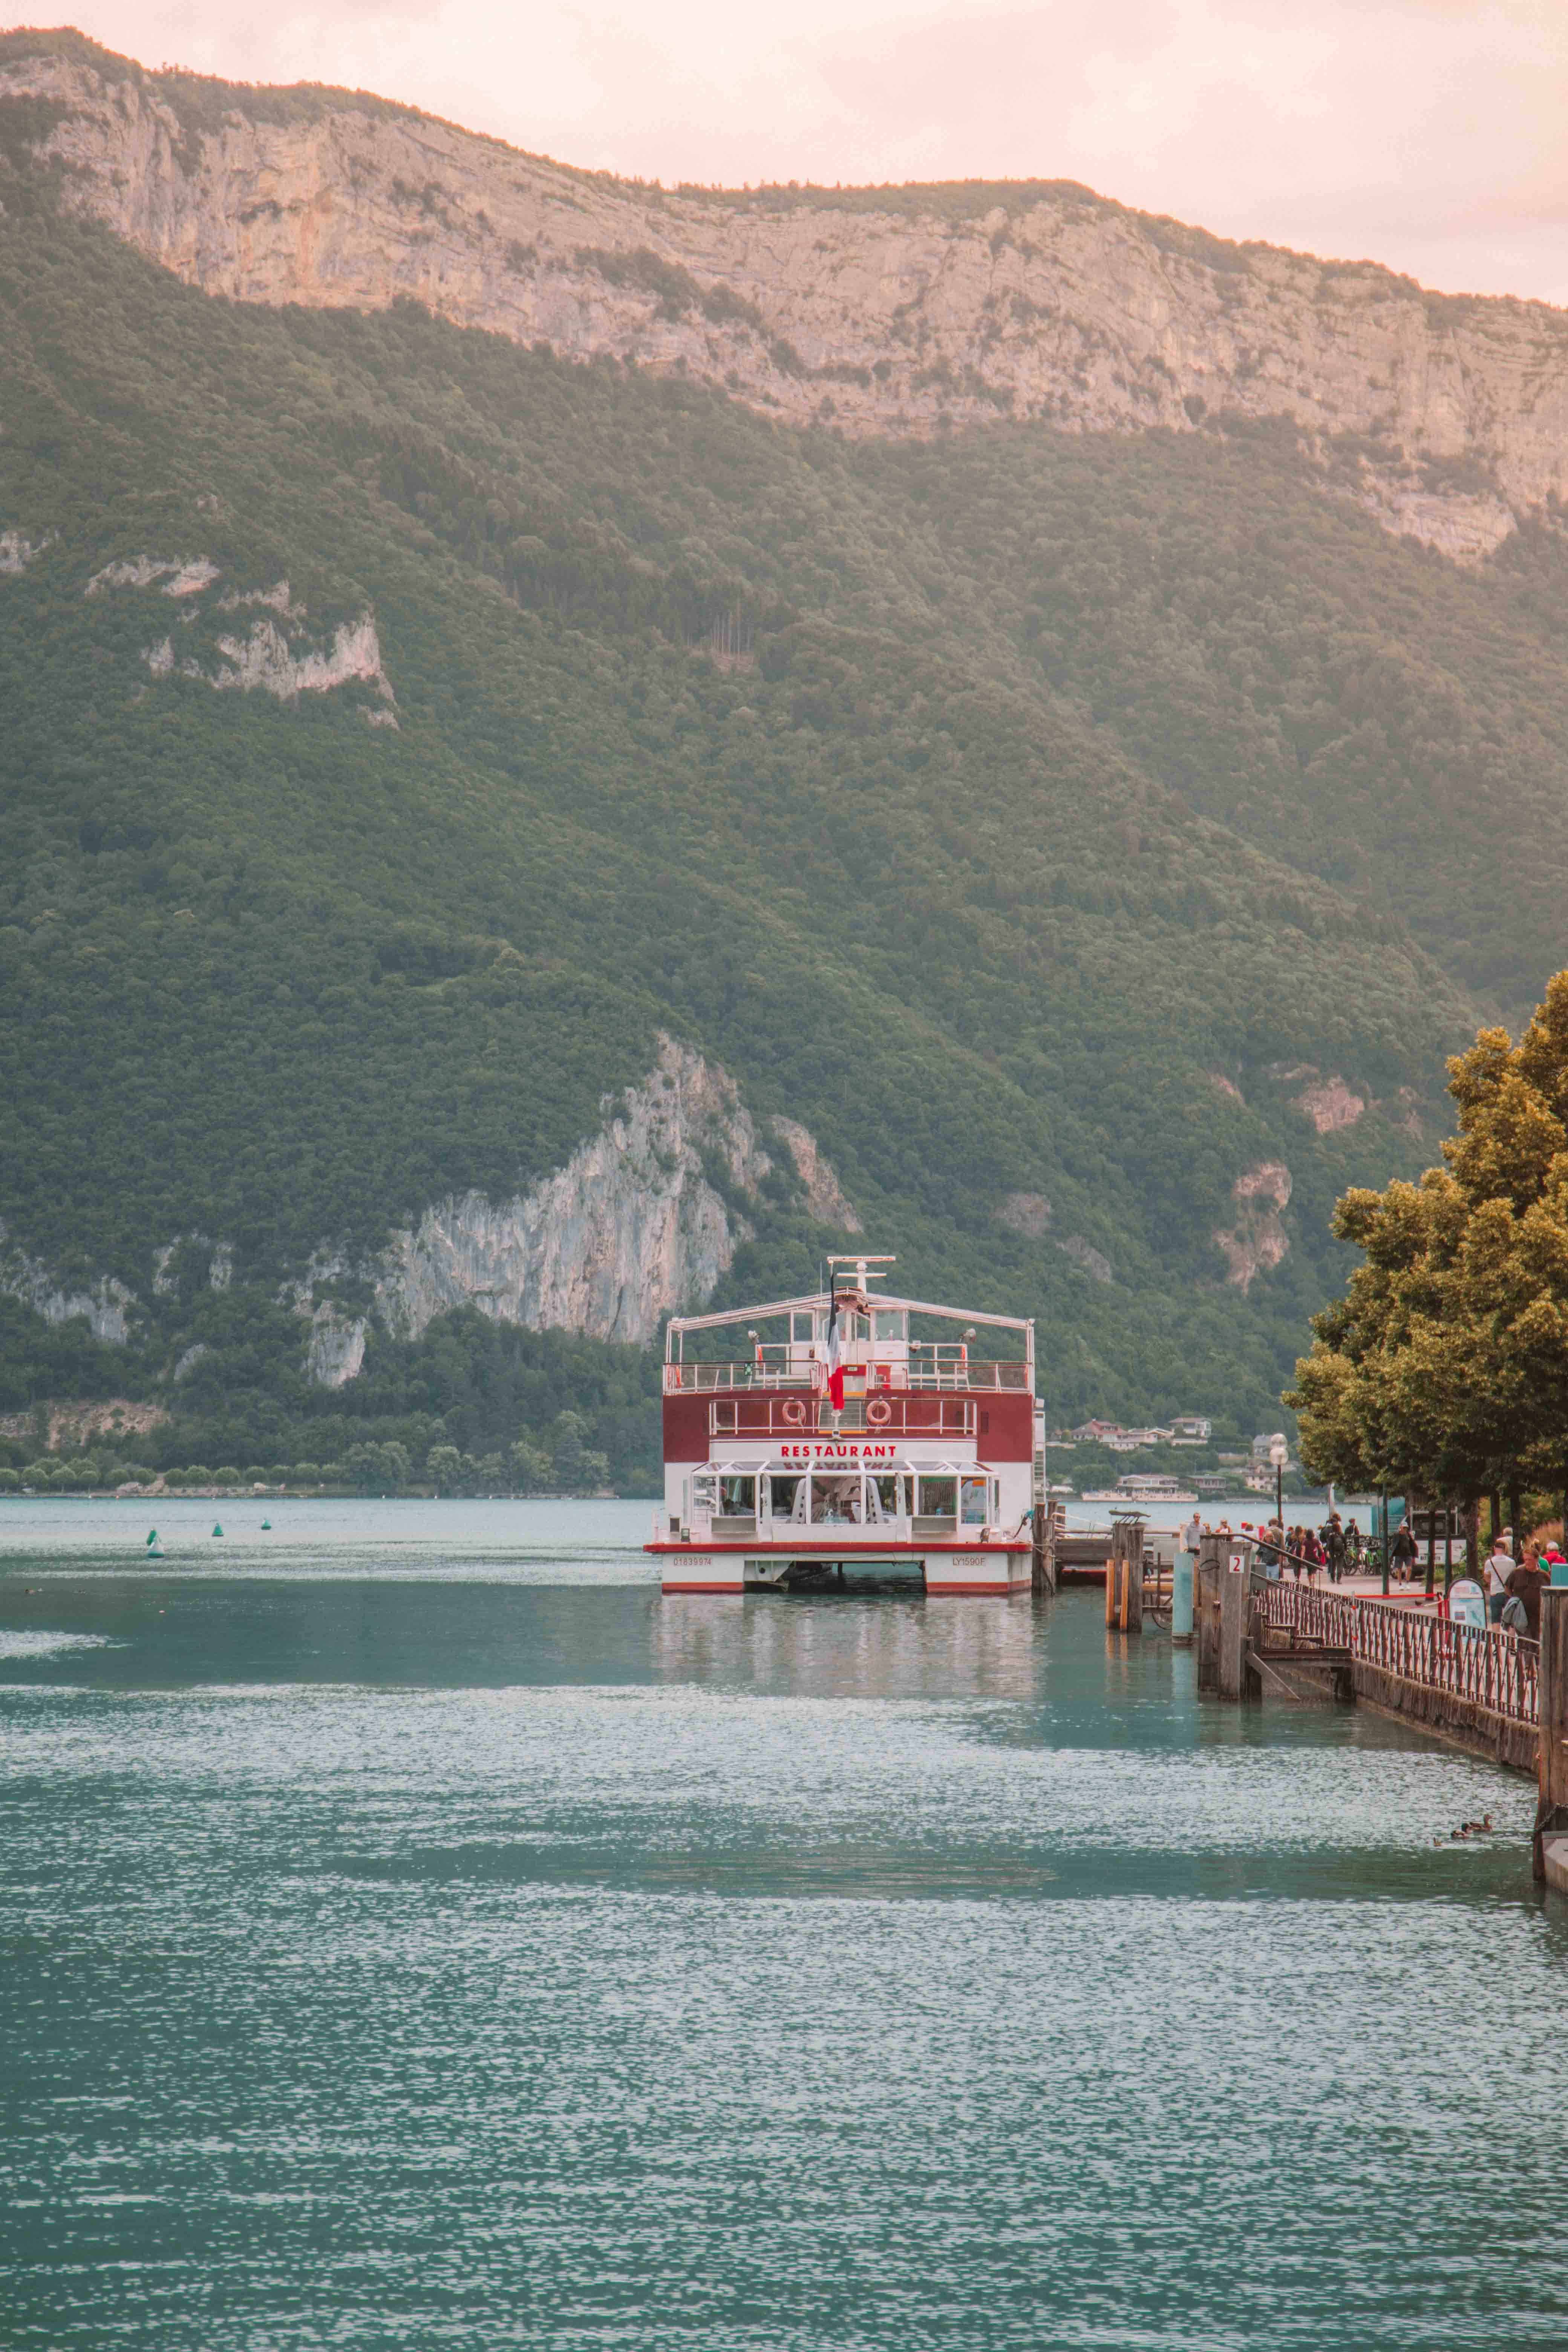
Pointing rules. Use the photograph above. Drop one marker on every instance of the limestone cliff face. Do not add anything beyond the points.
(632, 1227)
(103, 1305)
(644, 1219)
(1052, 304)
(1257, 1241)
(629, 1229)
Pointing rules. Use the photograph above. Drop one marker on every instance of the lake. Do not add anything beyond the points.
(418, 1931)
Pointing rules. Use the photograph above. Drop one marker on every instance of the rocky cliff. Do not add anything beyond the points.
(890, 311)
(644, 1218)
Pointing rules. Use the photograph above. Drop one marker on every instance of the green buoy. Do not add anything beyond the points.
(267, 1523)
(217, 1529)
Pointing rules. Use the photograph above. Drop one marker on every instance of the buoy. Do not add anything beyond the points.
(217, 1529)
(151, 1535)
(267, 1523)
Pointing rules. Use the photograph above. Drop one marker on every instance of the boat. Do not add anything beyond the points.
(1140, 1487)
(848, 1437)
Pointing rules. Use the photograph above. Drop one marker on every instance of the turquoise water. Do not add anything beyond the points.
(417, 1931)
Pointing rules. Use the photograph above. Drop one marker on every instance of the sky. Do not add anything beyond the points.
(1431, 135)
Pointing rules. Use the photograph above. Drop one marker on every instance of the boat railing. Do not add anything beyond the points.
(920, 1374)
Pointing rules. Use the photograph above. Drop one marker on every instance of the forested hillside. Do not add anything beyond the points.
(1098, 819)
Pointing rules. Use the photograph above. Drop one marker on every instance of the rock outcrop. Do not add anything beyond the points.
(644, 1219)
(883, 312)
(1330, 1103)
(1029, 1214)
(17, 550)
(74, 1421)
(824, 1195)
(104, 1304)
(1257, 1239)
(629, 1229)
(1086, 1258)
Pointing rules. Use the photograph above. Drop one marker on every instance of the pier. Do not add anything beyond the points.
(1492, 1693)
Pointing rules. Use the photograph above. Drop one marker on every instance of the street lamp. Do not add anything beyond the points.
(1277, 1455)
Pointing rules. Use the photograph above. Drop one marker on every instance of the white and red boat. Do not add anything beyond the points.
(846, 1436)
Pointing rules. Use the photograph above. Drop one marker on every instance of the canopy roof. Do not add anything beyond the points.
(820, 1299)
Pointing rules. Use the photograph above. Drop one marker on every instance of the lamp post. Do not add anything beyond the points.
(1277, 1456)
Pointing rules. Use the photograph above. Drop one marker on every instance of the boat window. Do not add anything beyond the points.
(885, 1487)
(704, 1491)
(835, 1497)
(938, 1497)
(786, 1496)
(802, 1326)
(890, 1323)
(973, 1512)
(738, 1496)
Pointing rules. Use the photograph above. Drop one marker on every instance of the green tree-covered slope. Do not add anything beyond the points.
(1083, 795)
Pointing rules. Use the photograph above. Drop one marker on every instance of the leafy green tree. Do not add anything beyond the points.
(1445, 1366)
(532, 1468)
(444, 1469)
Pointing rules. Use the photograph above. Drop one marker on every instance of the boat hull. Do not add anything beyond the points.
(940, 1570)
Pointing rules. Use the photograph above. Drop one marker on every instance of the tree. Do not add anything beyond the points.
(532, 1470)
(443, 1467)
(1445, 1366)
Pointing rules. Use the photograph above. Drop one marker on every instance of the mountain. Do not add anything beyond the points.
(505, 832)
(884, 311)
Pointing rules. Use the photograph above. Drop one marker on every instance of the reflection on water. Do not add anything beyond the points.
(432, 1939)
(885, 1648)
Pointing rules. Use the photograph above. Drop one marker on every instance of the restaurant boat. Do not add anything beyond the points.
(850, 1436)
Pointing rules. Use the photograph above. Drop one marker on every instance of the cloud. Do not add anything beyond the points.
(1430, 134)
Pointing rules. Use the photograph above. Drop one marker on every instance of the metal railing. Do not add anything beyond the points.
(771, 1375)
(1488, 1666)
(880, 1416)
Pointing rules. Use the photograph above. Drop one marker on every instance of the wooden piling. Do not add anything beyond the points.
(1235, 1612)
(1133, 1596)
(1182, 1598)
(1211, 1561)
(1549, 1856)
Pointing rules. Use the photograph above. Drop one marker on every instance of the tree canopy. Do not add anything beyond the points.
(1444, 1365)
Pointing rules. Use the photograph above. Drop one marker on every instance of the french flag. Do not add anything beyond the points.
(835, 1368)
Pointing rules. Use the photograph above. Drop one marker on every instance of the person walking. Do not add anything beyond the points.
(1525, 1587)
(1335, 1548)
(1402, 1551)
(1495, 1574)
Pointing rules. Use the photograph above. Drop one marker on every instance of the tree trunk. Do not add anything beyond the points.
(1516, 1513)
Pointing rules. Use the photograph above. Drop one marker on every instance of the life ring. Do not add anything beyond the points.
(879, 1412)
(793, 1412)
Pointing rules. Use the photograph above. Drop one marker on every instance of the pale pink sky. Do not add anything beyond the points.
(1428, 134)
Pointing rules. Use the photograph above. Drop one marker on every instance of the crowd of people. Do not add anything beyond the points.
(1508, 1594)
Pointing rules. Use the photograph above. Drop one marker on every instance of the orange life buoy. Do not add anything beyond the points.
(879, 1412)
(793, 1412)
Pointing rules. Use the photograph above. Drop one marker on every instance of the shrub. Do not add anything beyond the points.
(10, 1480)
(227, 1477)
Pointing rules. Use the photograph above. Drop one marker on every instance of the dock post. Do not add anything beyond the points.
(1133, 1601)
(1211, 1562)
(1235, 1614)
(1552, 1750)
(1182, 1599)
(1112, 1578)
